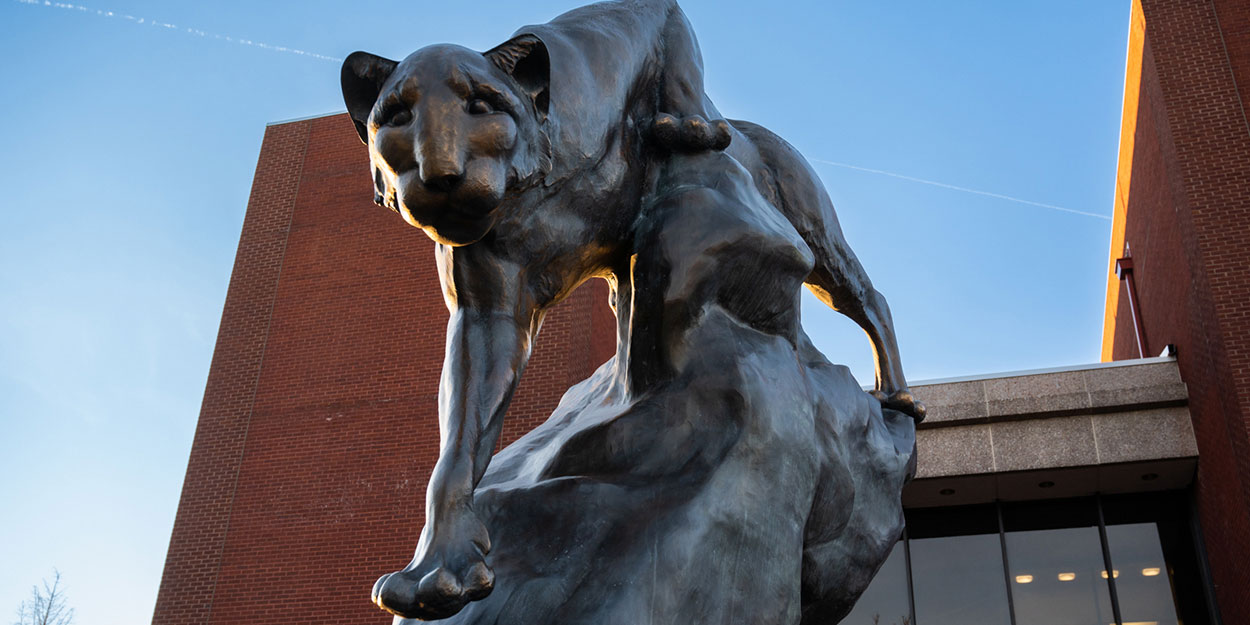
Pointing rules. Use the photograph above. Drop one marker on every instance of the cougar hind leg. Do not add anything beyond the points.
(847, 290)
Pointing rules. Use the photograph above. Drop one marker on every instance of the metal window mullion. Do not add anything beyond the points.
(1199, 546)
(1002, 543)
(1106, 562)
(911, 592)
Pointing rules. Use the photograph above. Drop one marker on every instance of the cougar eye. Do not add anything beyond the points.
(480, 107)
(396, 116)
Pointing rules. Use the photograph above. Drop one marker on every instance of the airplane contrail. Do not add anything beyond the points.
(963, 189)
(266, 46)
(186, 30)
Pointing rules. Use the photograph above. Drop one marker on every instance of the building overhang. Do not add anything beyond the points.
(1115, 427)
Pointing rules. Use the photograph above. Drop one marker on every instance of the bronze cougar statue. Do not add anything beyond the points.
(718, 468)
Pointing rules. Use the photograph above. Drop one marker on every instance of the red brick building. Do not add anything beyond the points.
(319, 423)
(1182, 217)
(318, 428)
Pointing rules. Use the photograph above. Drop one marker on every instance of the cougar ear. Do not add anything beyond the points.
(362, 77)
(525, 58)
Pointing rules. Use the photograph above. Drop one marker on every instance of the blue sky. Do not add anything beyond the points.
(128, 150)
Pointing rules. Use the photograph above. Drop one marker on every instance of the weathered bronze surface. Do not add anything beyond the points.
(718, 469)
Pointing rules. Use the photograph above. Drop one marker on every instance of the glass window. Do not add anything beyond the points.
(1144, 581)
(1054, 572)
(885, 601)
(1057, 571)
(1058, 578)
(1148, 532)
(957, 567)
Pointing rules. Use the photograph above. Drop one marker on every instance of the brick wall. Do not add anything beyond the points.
(1183, 215)
(318, 429)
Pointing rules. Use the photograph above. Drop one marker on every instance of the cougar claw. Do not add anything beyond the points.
(440, 583)
(902, 401)
(691, 133)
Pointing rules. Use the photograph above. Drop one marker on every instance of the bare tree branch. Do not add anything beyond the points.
(46, 606)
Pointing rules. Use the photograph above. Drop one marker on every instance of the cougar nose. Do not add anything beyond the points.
(442, 182)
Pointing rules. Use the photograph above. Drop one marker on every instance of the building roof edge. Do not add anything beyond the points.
(1026, 372)
(305, 118)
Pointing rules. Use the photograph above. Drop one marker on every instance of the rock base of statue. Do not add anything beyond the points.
(760, 486)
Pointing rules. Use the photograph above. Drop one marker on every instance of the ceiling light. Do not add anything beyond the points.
(1150, 572)
(1067, 577)
(1114, 572)
(1024, 579)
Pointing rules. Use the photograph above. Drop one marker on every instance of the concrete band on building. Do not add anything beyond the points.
(1117, 492)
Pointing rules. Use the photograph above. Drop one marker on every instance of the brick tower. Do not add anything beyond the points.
(319, 426)
(1182, 224)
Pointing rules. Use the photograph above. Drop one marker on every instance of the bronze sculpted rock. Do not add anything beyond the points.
(718, 469)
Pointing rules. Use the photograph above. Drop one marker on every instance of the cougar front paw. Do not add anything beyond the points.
(691, 133)
(902, 401)
(439, 582)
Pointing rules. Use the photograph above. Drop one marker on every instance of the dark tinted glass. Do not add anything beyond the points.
(1145, 532)
(1143, 582)
(1056, 568)
(885, 601)
(1057, 577)
(1057, 572)
(957, 567)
